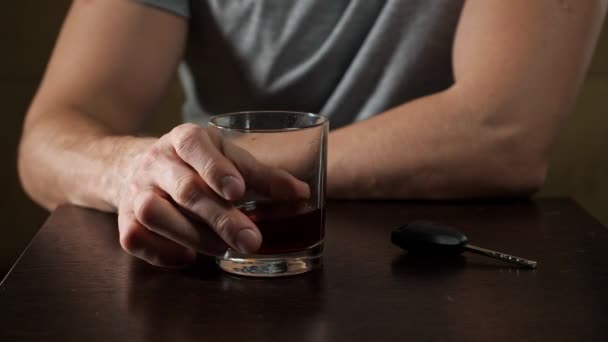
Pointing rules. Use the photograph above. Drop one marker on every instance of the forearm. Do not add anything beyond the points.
(438, 146)
(111, 64)
(69, 157)
(517, 68)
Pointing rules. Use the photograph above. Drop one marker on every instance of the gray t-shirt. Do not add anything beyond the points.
(346, 59)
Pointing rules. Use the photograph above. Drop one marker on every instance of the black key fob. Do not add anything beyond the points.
(428, 238)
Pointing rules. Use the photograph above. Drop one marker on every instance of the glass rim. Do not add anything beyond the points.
(322, 121)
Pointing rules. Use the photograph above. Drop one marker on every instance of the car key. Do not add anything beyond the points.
(428, 238)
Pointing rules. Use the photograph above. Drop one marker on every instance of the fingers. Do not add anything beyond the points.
(279, 184)
(270, 181)
(275, 183)
(193, 146)
(177, 202)
(140, 242)
(190, 192)
(196, 148)
(161, 217)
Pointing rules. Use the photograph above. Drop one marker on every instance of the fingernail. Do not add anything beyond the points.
(247, 241)
(231, 188)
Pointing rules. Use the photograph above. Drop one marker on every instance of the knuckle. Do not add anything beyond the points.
(187, 191)
(210, 169)
(143, 208)
(130, 239)
(221, 223)
(186, 136)
(132, 185)
(151, 157)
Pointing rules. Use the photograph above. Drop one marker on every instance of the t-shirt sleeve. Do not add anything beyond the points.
(179, 7)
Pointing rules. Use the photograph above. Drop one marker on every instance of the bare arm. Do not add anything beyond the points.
(110, 65)
(518, 66)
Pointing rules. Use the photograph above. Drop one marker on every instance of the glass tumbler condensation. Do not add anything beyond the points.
(282, 156)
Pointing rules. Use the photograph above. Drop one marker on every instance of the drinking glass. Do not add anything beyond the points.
(282, 156)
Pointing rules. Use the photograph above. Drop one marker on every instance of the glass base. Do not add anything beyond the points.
(275, 265)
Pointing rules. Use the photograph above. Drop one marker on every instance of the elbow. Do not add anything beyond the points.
(27, 174)
(24, 157)
(520, 169)
(527, 181)
(512, 148)
(24, 169)
(30, 160)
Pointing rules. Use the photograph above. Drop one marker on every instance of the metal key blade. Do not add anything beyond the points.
(501, 256)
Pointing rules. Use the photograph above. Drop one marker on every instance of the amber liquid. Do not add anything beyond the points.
(286, 226)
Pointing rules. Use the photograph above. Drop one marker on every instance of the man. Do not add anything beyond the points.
(428, 99)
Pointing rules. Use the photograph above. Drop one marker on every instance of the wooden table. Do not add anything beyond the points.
(74, 283)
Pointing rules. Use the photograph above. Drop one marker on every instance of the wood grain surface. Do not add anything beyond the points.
(74, 283)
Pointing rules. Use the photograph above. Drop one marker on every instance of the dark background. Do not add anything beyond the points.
(28, 29)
